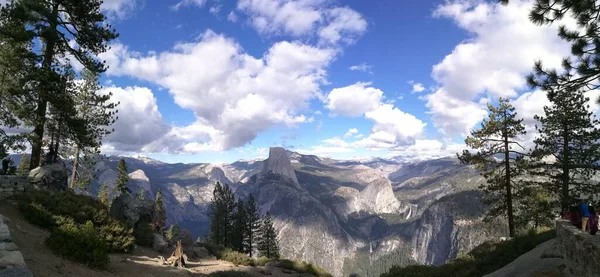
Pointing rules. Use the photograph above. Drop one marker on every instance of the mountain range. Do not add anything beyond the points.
(350, 217)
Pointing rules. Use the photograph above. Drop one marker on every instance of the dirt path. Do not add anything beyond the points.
(142, 262)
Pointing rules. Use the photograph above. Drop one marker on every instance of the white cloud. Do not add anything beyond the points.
(139, 121)
(392, 127)
(304, 18)
(216, 9)
(351, 132)
(417, 87)
(119, 8)
(354, 100)
(232, 16)
(233, 95)
(183, 3)
(427, 149)
(362, 67)
(492, 63)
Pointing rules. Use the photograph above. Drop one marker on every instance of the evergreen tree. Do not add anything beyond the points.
(160, 216)
(141, 194)
(566, 151)
(535, 207)
(23, 169)
(239, 226)
(222, 215)
(122, 177)
(56, 24)
(268, 246)
(104, 194)
(253, 225)
(497, 158)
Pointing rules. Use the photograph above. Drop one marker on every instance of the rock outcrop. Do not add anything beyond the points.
(132, 210)
(159, 244)
(279, 163)
(11, 259)
(581, 251)
(52, 177)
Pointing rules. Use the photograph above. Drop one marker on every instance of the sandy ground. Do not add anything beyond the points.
(142, 262)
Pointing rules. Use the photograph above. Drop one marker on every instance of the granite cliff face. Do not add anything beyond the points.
(337, 214)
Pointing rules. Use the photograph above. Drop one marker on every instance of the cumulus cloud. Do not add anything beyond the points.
(427, 149)
(233, 95)
(304, 18)
(354, 100)
(490, 63)
(232, 16)
(119, 8)
(139, 122)
(416, 87)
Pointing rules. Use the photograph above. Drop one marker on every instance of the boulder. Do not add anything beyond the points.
(185, 236)
(132, 210)
(200, 252)
(160, 244)
(9, 259)
(51, 177)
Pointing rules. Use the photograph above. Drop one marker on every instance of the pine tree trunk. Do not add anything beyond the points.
(75, 164)
(42, 103)
(565, 177)
(511, 223)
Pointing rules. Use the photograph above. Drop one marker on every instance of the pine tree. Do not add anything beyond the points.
(56, 24)
(122, 177)
(141, 194)
(253, 225)
(535, 207)
(23, 169)
(240, 224)
(222, 215)
(160, 216)
(568, 136)
(104, 194)
(497, 158)
(268, 246)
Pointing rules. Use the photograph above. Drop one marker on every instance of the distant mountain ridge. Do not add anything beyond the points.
(342, 215)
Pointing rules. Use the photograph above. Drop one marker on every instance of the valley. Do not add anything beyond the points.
(347, 216)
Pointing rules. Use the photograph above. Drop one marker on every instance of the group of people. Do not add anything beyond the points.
(584, 216)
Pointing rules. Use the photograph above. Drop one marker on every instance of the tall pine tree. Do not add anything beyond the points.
(104, 195)
(122, 177)
(497, 158)
(73, 28)
(566, 151)
(240, 224)
(160, 216)
(253, 226)
(222, 215)
(268, 246)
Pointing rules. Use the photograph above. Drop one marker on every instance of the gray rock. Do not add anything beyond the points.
(52, 177)
(132, 210)
(5, 233)
(8, 246)
(531, 263)
(159, 244)
(200, 252)
(16, 272)
(9, 259)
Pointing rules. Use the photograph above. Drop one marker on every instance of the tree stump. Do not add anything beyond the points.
(178, 259)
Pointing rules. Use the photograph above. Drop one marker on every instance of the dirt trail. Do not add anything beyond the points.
(142, 262)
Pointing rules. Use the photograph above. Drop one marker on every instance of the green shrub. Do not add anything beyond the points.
(262, 261)
(144, 233)
(78, 242)
(172, 232)
(303, 267)
(238, 258)
(483, 259)
(43, 208)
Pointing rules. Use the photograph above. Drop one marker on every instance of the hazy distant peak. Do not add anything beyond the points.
(279, 163)
(139, 175)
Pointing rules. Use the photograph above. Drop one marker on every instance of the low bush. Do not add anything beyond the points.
(144, 233)
(43, 208)
(238, 258)
(262, 261)
(78, 242)
(483, 259)
(303, 267)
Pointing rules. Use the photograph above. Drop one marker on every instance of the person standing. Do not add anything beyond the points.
(584, 209)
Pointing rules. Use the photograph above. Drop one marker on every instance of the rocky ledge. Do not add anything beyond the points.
(11, 259)
(580, 250)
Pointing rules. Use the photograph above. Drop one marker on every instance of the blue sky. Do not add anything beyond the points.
(217, 80)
